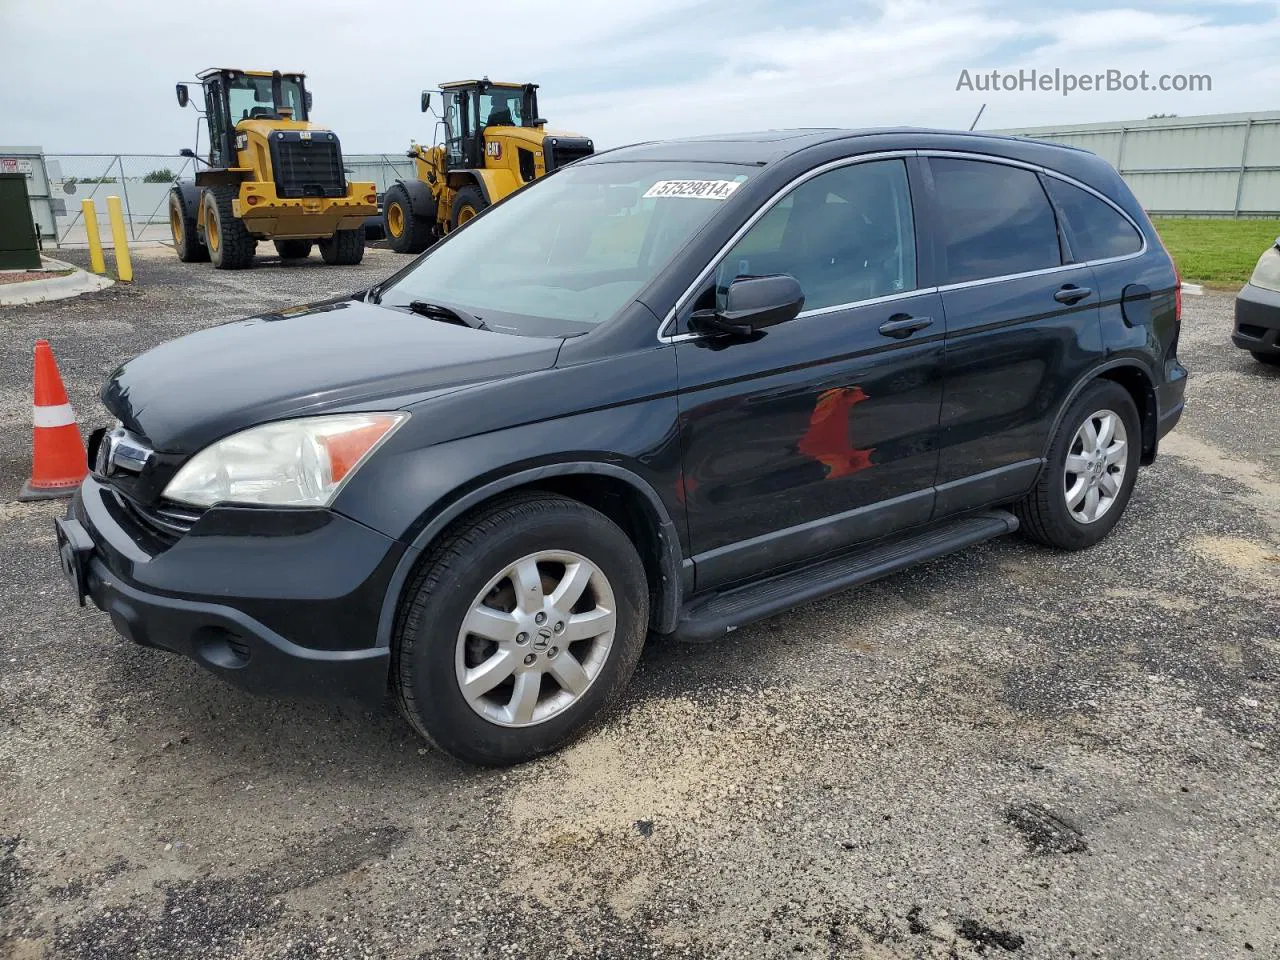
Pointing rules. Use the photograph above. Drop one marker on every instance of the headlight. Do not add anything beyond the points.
(1267, 273)
(295, 463)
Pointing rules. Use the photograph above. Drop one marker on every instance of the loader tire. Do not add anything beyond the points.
(186, 237)
(231, 246)
(344, 248)
(293, 249)
(467, 204)
(408, 229)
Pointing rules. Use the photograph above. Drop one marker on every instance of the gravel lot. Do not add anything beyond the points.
(1008, 752)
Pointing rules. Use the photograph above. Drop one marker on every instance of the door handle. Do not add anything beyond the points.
(902, 325)
(1070, 294)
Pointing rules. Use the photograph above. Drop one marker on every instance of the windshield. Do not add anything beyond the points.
(250, 99)
(570, 251)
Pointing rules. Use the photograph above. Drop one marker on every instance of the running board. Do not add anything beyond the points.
(705, 619)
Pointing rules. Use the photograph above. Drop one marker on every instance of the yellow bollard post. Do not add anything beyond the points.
(124, 266)
(96, 263)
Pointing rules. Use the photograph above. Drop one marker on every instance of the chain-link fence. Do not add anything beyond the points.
(142, 182)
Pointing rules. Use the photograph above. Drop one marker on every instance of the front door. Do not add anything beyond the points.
(221, 136)
(819, 432)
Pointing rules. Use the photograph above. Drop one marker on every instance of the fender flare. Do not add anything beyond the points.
(1092, 374)
(669, 590)
(189, 194)
(420, 196)
(494, 185)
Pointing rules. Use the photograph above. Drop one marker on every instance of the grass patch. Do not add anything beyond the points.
(1219, 252)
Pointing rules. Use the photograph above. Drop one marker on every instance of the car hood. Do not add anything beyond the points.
(347, 354)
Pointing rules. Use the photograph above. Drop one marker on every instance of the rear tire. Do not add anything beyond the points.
(344, 248)
(1076, 480)
(1270, 359)
(293, 249)
(467, 204)
(473, 569)
(231, 246)
(408, 229)
(186, 236)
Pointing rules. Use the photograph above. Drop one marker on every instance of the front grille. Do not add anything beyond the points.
(166, 522)
(307, 167)
(560, 151)
(1249, 330)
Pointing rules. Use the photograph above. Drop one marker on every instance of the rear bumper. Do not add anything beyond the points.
(1257, 327)
(287, 611)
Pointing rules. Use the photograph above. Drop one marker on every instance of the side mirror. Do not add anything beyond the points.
(426, 100)
(187, 152)
(306, 98)
(183, 97)
(752, 304)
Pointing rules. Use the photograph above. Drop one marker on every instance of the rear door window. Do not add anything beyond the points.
(993, 220)
(1097, 230)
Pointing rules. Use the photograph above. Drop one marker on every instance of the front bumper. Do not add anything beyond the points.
(275, 602)
(1257, 326)
(265, 213)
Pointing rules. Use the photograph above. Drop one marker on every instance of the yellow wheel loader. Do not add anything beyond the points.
(494, 143)
(270, 175)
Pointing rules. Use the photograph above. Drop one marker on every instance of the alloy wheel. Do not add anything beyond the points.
(535, 638)
(1095, 466)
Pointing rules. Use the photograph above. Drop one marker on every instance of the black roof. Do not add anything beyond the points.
(766, 146)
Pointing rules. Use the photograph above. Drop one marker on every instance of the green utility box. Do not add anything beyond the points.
(18, 248)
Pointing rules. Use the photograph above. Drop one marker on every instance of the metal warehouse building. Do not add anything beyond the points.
(1219, 165)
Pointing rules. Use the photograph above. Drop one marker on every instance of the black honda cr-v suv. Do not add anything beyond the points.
(669, 389)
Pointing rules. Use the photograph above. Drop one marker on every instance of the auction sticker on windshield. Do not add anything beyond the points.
(696, 189)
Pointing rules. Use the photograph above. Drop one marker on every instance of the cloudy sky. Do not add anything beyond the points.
(98, 76)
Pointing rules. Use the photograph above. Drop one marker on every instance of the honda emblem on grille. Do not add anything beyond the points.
(105, 465)
(119, 452)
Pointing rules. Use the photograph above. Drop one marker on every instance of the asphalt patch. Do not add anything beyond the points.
(1045, 831)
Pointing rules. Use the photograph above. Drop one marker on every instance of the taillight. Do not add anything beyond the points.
(1177, 295)
(253, 200)
(1177, 280)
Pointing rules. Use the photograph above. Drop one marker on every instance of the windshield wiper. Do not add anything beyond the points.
(438, 311)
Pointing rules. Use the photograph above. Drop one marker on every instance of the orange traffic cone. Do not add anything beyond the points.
(58, 460)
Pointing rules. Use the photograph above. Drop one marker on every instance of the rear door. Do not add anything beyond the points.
(1022, 325)
(1103, 236)
(819, 432)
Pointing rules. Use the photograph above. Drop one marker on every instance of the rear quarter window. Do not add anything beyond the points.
(1095, 229)
(994, 220)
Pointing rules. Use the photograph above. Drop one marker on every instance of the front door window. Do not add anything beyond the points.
(845, 236)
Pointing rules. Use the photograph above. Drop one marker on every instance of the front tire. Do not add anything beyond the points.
(231, 246)
(1270, 359)
(408, 229)
(186, 237)
(344, 248)
(1093, 462)
(522, 626)
(293, 249)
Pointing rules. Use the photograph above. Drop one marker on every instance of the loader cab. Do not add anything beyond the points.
(231, 96)
(470, 107)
